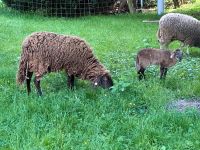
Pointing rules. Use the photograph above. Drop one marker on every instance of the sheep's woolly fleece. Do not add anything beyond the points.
(44, 52)
(176, 26)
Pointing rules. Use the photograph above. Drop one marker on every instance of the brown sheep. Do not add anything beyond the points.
(150, 56)
(44, 52)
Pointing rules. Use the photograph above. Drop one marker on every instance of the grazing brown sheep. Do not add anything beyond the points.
(150, 56)
(44, 52)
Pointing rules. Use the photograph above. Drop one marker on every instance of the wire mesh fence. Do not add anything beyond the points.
(63, 8)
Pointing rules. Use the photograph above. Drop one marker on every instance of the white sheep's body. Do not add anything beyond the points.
(181, 27)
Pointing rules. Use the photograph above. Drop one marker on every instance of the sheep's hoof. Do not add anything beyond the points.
(39, 93)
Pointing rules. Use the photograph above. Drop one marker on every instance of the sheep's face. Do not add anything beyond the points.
(178, 54)
(104, 81)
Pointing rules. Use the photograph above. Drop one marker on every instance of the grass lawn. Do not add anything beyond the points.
(190, 9)
(132, 115)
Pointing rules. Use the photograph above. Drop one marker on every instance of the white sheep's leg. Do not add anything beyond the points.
(70, 81)
(37, 85)
(187, 50)
(28, 81)
(182, 46)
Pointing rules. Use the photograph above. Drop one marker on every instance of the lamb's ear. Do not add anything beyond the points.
(172, 55)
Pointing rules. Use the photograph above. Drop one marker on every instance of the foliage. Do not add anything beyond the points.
(191, 8)
(61, 8)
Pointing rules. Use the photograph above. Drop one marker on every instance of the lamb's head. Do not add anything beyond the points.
(178, 54)
(105, 81)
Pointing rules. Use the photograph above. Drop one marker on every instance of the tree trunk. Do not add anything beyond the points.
(176, 3)
(131, 7)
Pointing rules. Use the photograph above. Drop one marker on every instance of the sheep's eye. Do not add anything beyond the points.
(95, 83)
(105, 79)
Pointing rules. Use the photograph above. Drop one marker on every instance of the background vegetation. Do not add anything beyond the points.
(61, 8)
(132, 115)
(74, 8)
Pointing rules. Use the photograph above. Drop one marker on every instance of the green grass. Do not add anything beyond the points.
(190, 9)
(131, 116)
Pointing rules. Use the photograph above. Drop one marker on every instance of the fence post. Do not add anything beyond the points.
(160, 6)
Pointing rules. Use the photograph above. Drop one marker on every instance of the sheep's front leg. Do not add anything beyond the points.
(182, 45)
(187, 50)
(163, 72)
(70, 81)
(28, 82)
(141, 73)
(37, 85)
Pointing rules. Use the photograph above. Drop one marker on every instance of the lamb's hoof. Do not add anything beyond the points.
(39, 93)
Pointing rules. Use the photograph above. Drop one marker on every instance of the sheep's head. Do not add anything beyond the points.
(178, 54)
(105, 81)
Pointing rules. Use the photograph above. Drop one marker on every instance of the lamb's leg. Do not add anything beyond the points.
(163, 72)
(70, 81)
(37, 85)
(141, 73)
(28, 81)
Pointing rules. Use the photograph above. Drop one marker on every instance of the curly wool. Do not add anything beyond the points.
(44, 52)
(181, 27)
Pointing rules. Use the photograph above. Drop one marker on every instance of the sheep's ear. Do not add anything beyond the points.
(172, 55)
(104, 81)
(96, 82)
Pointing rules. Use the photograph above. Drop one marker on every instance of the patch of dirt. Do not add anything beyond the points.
(183, 104)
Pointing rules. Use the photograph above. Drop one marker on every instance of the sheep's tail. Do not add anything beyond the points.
(137, 63)
(23, 68)
(158, 34)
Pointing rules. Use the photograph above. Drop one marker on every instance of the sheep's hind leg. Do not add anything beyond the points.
(70, 81)
(141, 73)
(182, 46)
(37, 85)
(28, 81)
(163, 72)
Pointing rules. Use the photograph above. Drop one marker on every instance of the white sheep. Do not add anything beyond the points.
(181, 27)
